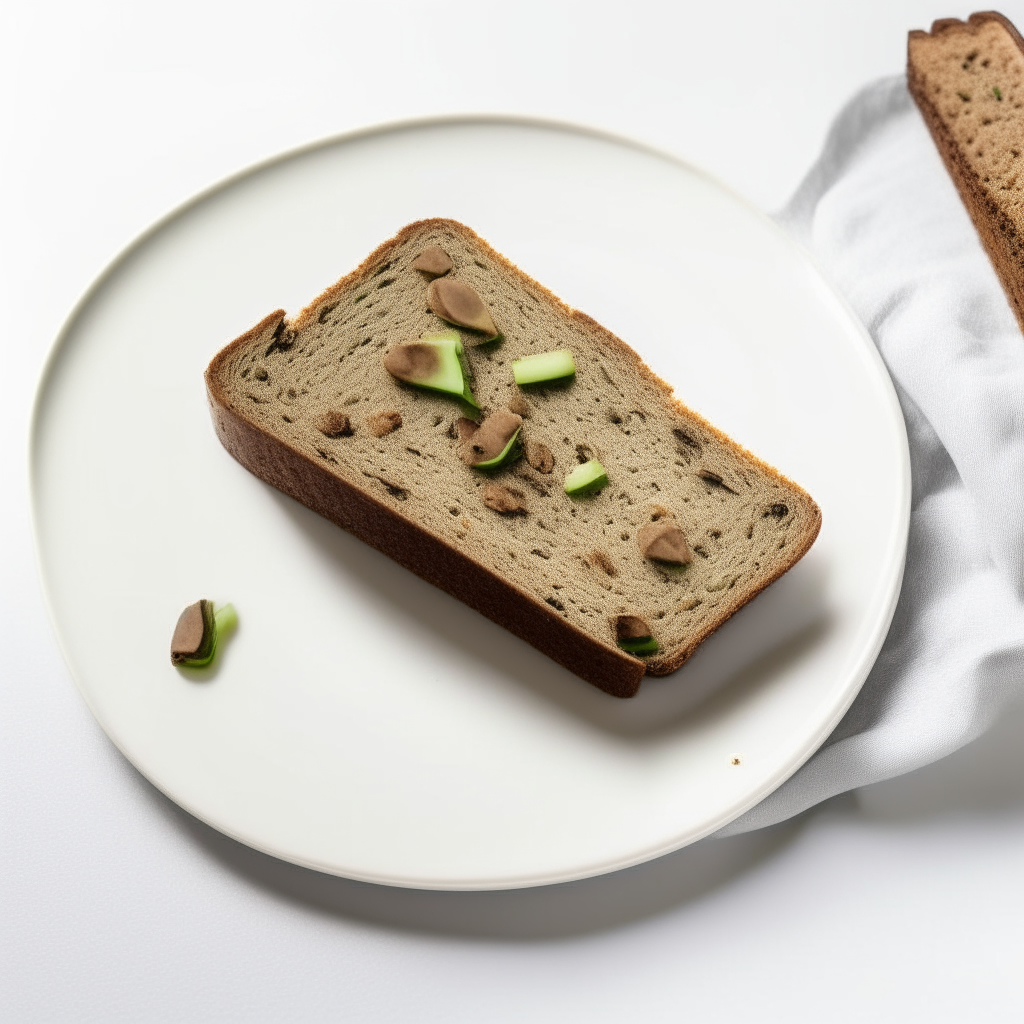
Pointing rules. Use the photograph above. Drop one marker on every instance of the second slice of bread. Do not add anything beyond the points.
(309, 406)
(968, 81)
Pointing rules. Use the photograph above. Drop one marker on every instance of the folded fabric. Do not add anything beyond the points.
(884, 220)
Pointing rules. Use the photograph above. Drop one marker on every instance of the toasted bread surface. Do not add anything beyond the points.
(968, 81)
(557, 571)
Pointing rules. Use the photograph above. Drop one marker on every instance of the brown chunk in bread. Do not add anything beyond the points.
(413, 362)
(539, 456)
(334, 424)
(433, 261)
(603, 562)
(631, 627)
(381, 423)
(488, 440)
(664, 542)
(504, 500)
(456, 302)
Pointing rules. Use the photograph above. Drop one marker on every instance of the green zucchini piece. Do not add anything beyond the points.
(212, 624)
(586, 478)
(434, 363)
(544, 366)
(640, 645)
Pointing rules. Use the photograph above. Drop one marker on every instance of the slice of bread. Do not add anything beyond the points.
(308, 406)
(968, 80)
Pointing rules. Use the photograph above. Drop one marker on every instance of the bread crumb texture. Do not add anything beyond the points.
(968, 80)
(744, 522)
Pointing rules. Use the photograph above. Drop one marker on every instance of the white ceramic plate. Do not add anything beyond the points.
(361, 722)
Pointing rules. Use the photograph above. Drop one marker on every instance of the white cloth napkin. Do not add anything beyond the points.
(883, 218)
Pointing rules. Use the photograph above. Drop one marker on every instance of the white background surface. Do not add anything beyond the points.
(902, 902)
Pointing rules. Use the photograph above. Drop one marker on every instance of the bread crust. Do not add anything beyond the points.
(353, 508)
(997, 231)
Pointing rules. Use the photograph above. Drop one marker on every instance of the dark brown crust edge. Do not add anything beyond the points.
(403, 540)
(993, 227)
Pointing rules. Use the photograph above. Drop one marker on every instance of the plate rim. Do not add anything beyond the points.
(877, 625)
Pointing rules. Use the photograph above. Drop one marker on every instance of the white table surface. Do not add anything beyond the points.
(899, 903)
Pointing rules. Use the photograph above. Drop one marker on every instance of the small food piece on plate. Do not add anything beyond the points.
(199, 630)
(664, 542)
(543, 367)
(459, 304)
(585, 479)
(491, 444)
(433, 261)
(434, 362)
